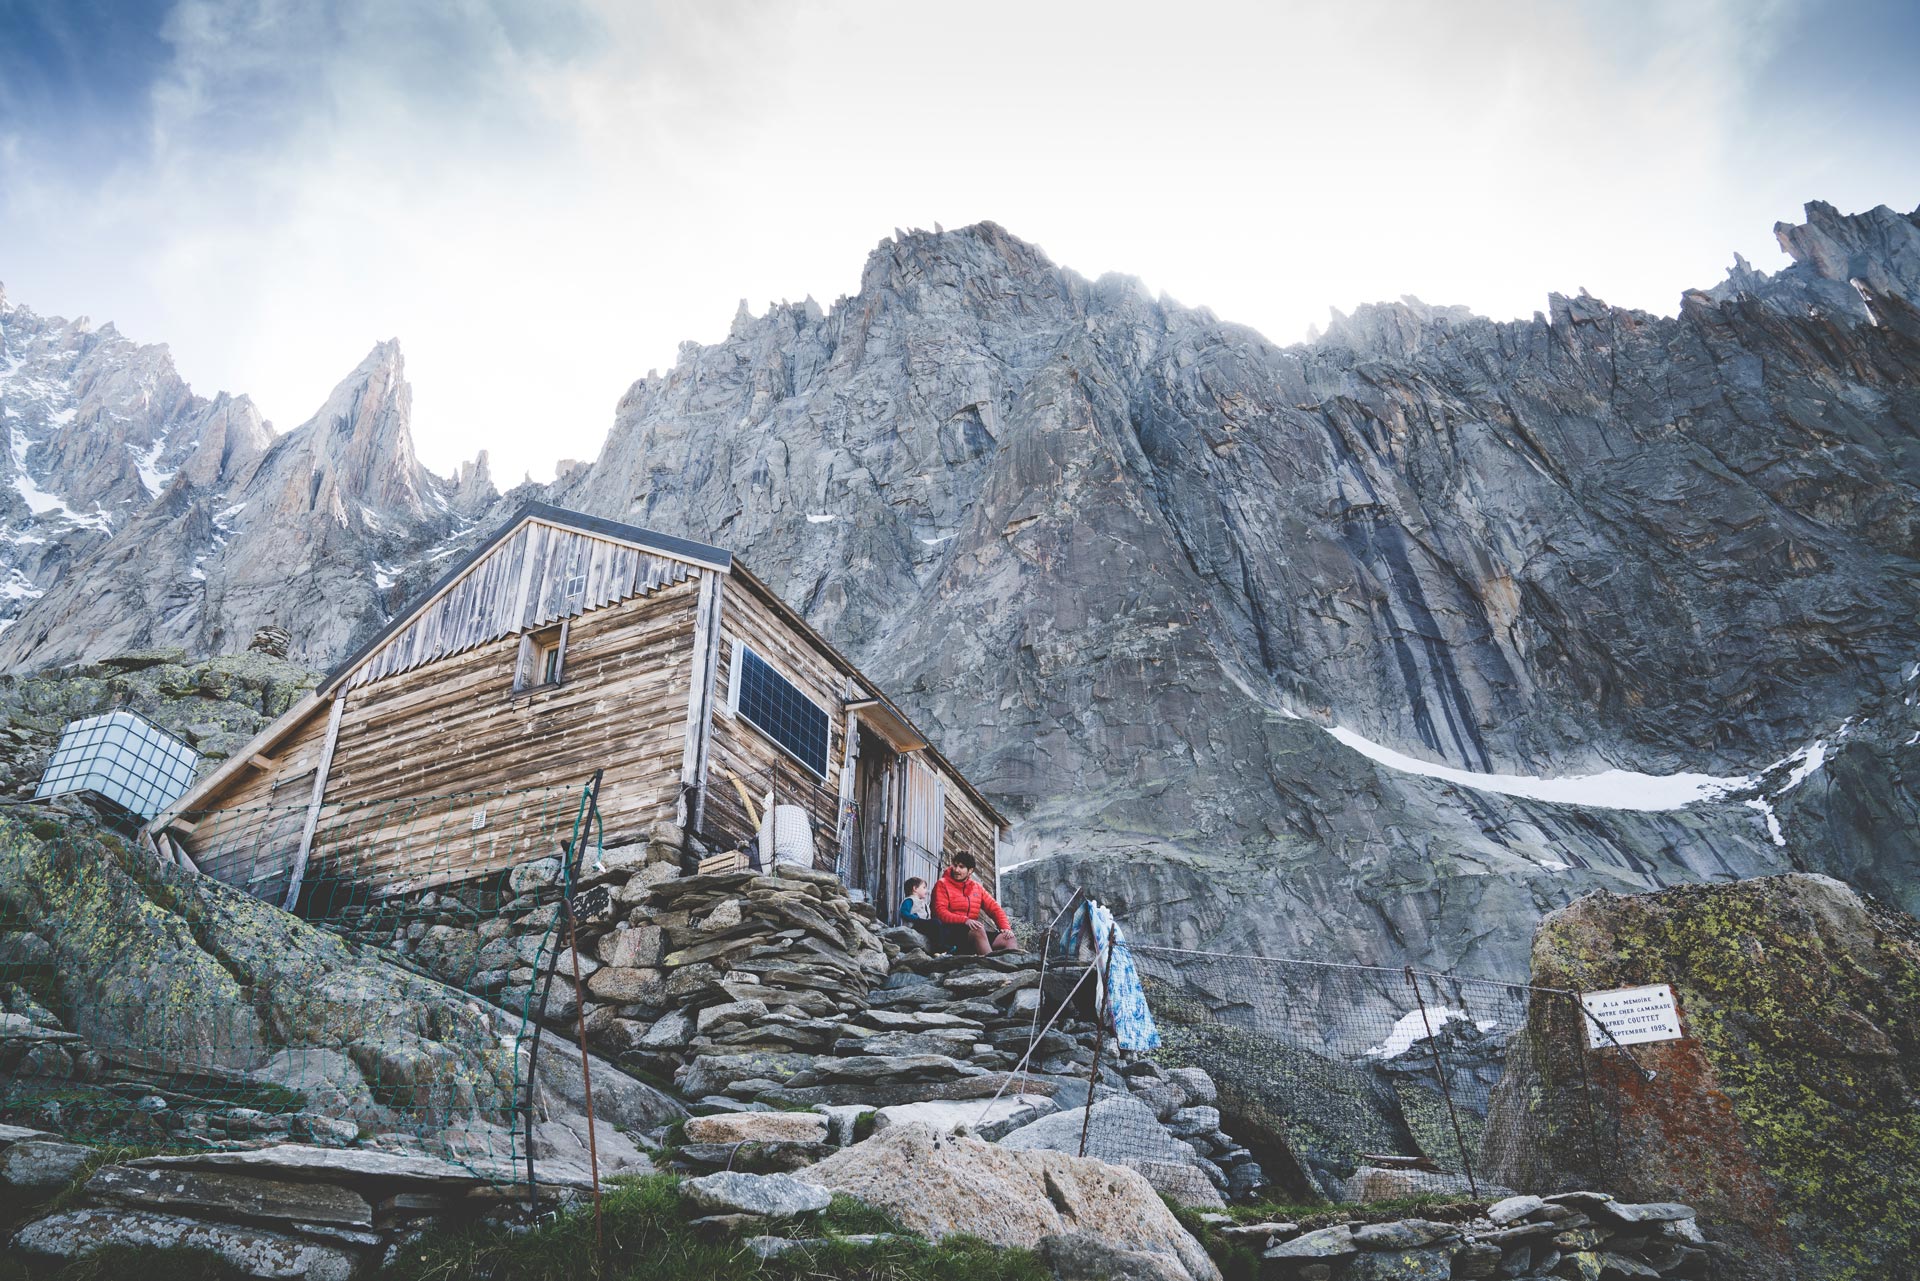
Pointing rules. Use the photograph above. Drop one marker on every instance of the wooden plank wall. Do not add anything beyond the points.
(971, 828)
(249, 830)
(455, 727)
(539, 574)
(739, 746)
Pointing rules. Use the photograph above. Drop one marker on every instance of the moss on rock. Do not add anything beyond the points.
(1790, 1114)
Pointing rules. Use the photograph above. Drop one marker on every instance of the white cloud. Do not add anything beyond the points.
(541, 201)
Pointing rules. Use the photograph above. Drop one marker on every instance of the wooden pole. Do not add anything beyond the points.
(298, 873)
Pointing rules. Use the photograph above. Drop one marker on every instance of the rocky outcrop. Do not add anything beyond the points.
(148, 1004)
(283, 1211)
(1786, 1114)
(939, 1184)
(214, 705)
(1571, 1235)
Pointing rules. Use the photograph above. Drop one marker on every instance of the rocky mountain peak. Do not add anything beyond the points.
(1221, 621)
(204, 515)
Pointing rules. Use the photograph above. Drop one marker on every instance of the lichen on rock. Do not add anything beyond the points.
(1786, 1115)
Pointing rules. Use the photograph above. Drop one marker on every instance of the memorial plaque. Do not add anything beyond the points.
(1633, 1015)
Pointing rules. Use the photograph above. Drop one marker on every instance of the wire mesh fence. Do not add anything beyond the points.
(1333, 1082)
(148, 1004)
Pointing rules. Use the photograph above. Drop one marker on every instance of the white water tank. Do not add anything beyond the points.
(789, 833)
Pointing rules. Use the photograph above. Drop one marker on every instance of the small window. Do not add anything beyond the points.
(543, 657)
(777, 708)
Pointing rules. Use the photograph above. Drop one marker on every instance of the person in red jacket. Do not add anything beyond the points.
(958, 900)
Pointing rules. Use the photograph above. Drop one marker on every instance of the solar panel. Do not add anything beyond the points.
(775, 705)
(123, 757)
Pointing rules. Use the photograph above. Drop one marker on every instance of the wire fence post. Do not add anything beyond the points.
(1440, 1075)
(579, 1003)
(1099, 1037)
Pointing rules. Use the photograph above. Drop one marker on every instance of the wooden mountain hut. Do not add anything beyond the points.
(566, 644)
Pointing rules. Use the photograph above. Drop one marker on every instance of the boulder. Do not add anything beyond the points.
(305, 1161)
(1081, 1256)
(1163, 1097)
(1123, 1130)
(940, 1184)
(765, 1195)
(1784, 1114)
(1513, 1209)
(1196, 1085)
(713, 1073)
(537, 875)
(1191, 1123)
(1326, 1243)
(951, 1042)
(566, 1142)
(670, 1032)
(1406, 1265)
(637, 947)
(917, 1021)
(991, 1119)
(42, 1163)
(225, 1193)
(618, 1099)
(1403, 1234)
(621, 986)
(256, 1252)
(757, 1127)
(732, 1012)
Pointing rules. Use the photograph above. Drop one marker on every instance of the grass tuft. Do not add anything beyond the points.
(649, 1239)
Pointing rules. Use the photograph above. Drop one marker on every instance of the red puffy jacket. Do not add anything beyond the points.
(957, 902)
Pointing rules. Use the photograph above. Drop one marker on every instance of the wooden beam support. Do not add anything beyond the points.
(263, 762)
(179, 853)
(299, 871)
(705, 676)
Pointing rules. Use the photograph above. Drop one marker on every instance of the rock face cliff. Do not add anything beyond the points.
(1241, 634)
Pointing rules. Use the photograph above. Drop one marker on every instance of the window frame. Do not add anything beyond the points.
(735, 667)
(530, 668)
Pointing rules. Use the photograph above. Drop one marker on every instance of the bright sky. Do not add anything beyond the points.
(541, 200)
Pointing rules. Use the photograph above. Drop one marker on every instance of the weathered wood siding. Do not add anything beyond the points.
(538, 575)
(248, 831)
(761, 763)
(971, 827)
(456, 729)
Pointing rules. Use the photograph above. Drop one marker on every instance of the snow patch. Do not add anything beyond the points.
(820, 518)
(935, 542)
(38, 500)
(1765, 806)
(1412, 1027)
(1612, 789)
(17, 586)
(148, 466)
(383, 576)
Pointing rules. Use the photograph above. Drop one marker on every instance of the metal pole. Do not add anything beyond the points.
(1586, 1084)
(1446, 1092)
(580, 1003)
(589, 812)
(586, 1072)
(1099, 1038)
